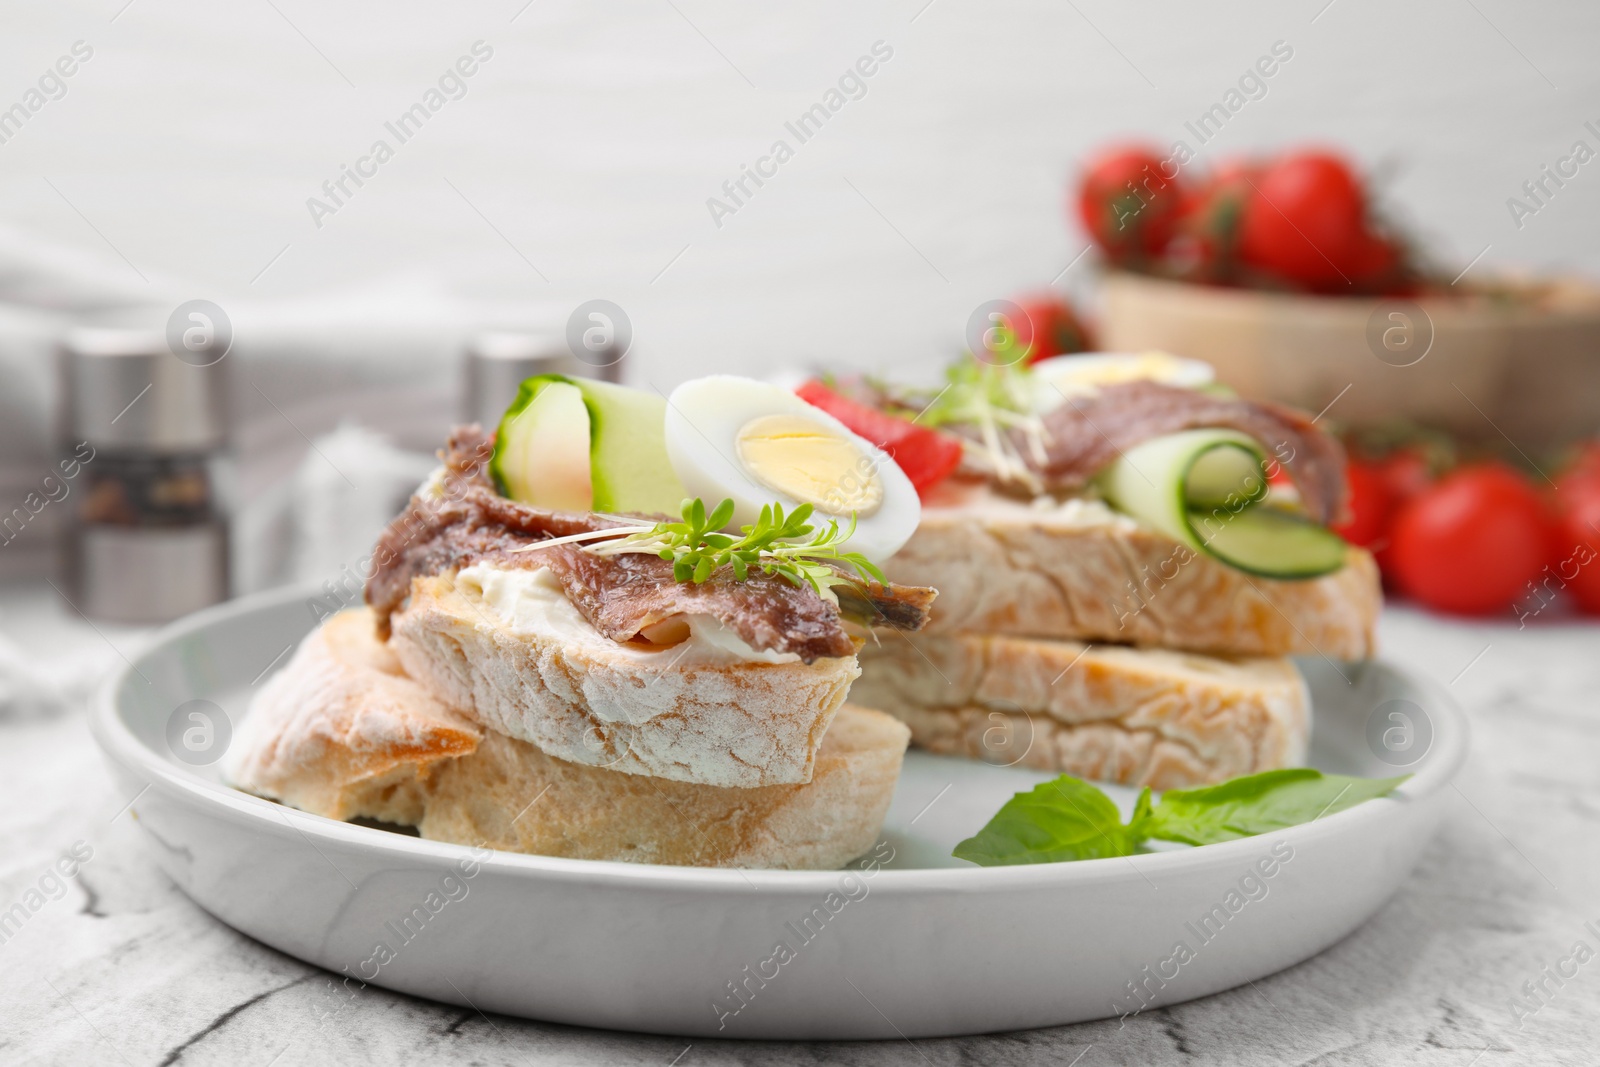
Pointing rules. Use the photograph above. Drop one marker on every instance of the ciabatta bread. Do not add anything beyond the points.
(1135, 716)
(688, 715)
(510, 795)
(342, 732)
(1081, 572)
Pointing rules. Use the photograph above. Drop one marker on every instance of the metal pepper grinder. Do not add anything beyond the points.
(148, 538)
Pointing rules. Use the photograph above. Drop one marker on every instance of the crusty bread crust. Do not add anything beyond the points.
(597, 703)
(342, 732)
(1006, 568)
(509, 795)
(1134, 716)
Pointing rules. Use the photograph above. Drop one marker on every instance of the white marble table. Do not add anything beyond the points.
(122, 968)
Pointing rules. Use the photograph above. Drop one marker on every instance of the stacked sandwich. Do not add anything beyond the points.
(1126, 556)
(548, 664)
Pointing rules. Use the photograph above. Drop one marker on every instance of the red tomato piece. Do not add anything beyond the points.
(926, 455)
(1472, 543)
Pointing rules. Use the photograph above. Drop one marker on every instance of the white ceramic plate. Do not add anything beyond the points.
(920, 945)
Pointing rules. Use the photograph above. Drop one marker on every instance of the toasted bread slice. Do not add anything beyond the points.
(342, 732)
(1135, 716)
(558, 684)
(510, 795)
(1082, 572)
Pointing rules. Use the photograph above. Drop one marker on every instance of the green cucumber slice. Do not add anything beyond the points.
(1226, 474)
(576, 444)
(541, 451)
(1204, 488)
(1273, 542)
(628, 450)
(1163, 479)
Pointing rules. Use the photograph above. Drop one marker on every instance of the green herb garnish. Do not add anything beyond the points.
(1069, 819)
(975, 390)
(991, 401)
(975, 387)
(777, 543)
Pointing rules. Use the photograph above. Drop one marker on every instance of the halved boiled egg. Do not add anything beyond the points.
(1060, 377)
(757, 443)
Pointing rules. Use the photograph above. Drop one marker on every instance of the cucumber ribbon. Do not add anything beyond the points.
(1207, 489)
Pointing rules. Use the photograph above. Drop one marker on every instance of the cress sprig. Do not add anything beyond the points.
(989, 399)
(779, 543)
(976, 390)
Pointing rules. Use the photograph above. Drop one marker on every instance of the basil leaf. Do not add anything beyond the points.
(1257, 804)
(1141, 818)
(1064, 819)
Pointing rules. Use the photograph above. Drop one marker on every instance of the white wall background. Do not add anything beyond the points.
(179, 162)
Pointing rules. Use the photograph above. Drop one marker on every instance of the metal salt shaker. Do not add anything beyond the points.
(148, 540)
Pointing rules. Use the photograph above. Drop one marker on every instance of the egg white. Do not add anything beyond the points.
(1059, 377)
(704, 417)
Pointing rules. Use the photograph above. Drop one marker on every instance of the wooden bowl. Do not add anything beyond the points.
(1518, 361)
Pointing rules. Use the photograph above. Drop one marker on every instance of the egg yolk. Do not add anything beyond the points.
(810, 462)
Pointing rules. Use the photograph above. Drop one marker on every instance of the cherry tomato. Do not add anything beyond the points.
(926, 455)
(1377, 264)
(1473, 542)
(1056, 329)
(1306, 221)
(1212, 214)
(1575, 563)
(1129, 201)
(1369, 505)
(1405, 475)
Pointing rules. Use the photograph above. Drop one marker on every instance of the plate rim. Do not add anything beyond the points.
(1447, 755)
